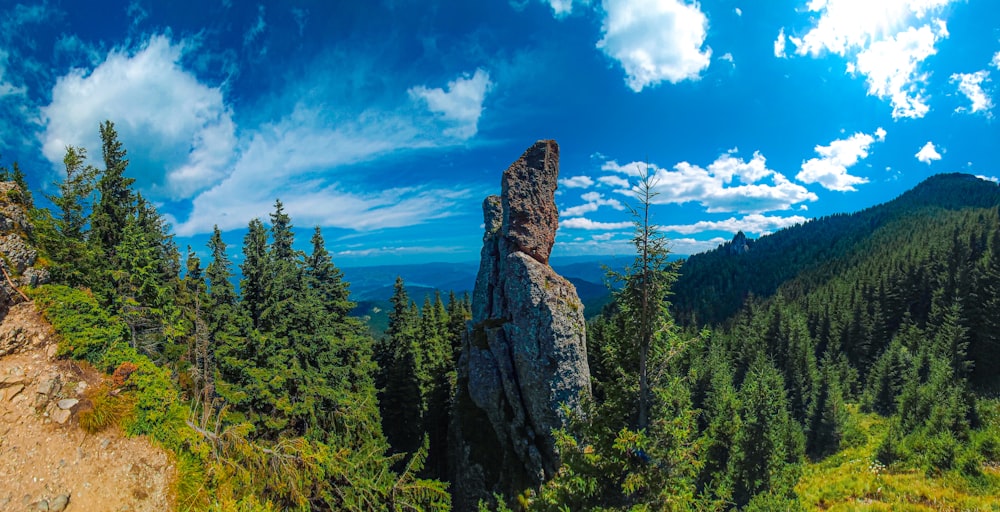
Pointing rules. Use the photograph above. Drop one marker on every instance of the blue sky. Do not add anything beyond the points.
(387, 122)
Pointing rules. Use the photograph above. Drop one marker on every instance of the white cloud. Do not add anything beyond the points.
(186, 131)
(688, 246)
(928, 153)
(577, 182)
(461, 105)
(655, 40)
(881, 40)
(891, 68)
(880, 134)
(563, 8)
(971, 85)
(182, 142)
(6, 87)
(996, 60)
(728, 57)
(779, 44)
(585, 223)
(994, 179)
(614, 181)
(754, 223)
(594, 200)
(297, 158)
(738, 11)
(830, 169)
(728, 184)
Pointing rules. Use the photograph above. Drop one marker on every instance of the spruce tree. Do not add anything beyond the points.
(116, 202)
(327, 280)
(643, 298)
(255, 271)
(769, 444)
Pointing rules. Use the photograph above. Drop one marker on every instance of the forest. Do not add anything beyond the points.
(849, 362)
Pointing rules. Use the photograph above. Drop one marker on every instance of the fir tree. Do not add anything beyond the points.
(116, 202)
(255, 271)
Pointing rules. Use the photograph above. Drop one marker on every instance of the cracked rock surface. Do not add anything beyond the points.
(524, 354)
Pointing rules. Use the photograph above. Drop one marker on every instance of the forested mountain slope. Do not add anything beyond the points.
(713, 286)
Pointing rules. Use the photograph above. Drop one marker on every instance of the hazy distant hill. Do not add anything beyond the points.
(371, 287)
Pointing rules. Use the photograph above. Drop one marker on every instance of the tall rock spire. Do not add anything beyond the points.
(524, 354)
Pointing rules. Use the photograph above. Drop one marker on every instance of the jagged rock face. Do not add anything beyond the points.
(18, 256)
(524, 354)
(530, 217)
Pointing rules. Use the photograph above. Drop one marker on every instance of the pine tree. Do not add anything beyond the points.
(64, 239)
(769, 444)
(116, 202)
(400, 398)
(219, 273)
(327, 280)
(255, 271)
(642, 299)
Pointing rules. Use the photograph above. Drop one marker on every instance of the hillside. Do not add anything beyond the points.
(47, 461)
(714, 285)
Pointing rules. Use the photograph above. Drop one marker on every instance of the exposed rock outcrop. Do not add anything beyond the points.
(524, 354)
(740, 244)
(18, 257)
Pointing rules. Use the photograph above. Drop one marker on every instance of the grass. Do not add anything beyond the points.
(105, 410)
(852, 479)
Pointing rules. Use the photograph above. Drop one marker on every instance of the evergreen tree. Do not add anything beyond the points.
(400, 398)
(769, 445)
(642, 299)
(64, 239)
(255, 271)
(327, 280)
(116, 202)
(828, 416)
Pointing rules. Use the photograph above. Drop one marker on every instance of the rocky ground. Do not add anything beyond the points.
(47, 462)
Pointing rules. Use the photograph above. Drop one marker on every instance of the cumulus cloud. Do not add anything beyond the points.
(971, 85)
(738, 11)
(655, 40)
(577, 182)
(996, 60)
(891, 66)
(887, 41)
(830, 169)
(594, 200)
(729, 184)
(928, 153)
(187, 130)
(779, 44)
(755, 223)
(461, 105)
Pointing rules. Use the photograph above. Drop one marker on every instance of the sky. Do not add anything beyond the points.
(387, 122)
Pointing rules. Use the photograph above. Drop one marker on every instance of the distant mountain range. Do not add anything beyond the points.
(371, 287)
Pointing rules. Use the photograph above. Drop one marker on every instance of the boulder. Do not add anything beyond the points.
(524, 352)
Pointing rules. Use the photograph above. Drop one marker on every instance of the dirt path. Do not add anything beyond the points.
(46, 459)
